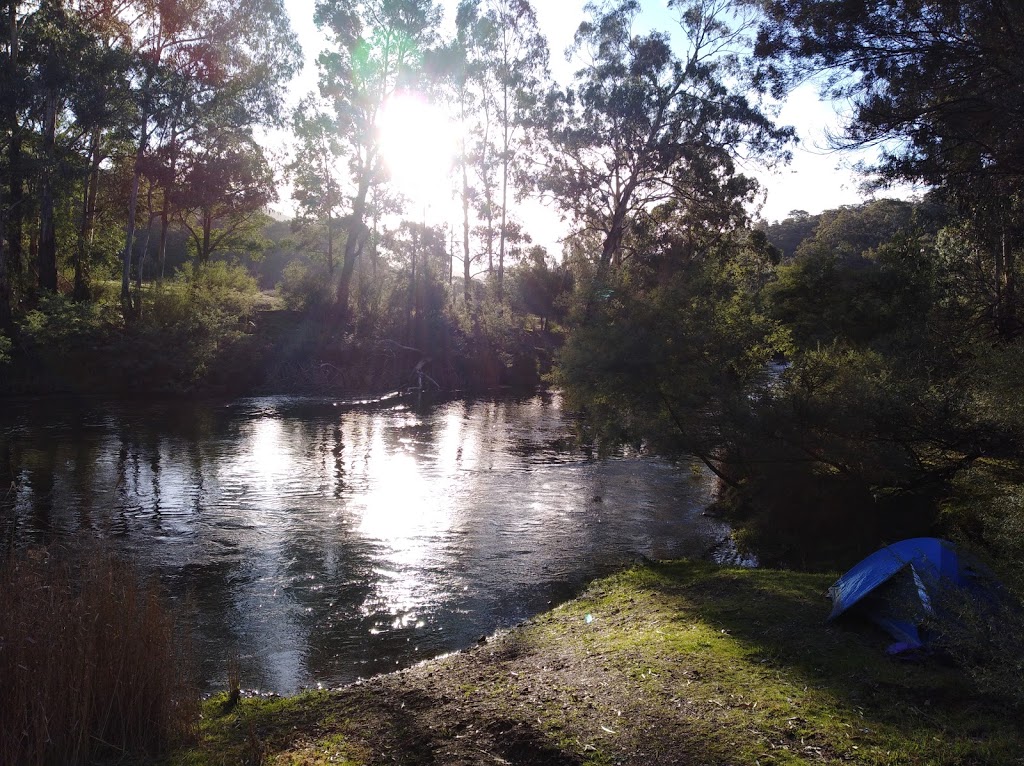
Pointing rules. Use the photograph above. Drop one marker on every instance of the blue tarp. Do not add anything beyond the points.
(895, 586)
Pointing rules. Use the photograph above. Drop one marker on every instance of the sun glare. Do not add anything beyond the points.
(417, 141)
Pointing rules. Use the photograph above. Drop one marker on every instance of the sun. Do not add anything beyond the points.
(417, 142)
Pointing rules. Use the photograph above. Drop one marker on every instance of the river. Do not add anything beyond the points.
(319, 542)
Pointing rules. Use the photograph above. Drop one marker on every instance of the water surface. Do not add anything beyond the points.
(321, 543)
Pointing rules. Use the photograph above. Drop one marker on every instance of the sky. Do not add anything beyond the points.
(817, 179)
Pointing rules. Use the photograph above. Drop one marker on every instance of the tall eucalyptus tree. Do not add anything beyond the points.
(518, 66)
(314, 172)
(644, 125)
(379, 47)
(245, 49)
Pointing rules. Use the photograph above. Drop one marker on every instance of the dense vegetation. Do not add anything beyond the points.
(860, 360)
(851, 377)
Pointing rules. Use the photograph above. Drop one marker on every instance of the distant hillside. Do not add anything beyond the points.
(852, 229)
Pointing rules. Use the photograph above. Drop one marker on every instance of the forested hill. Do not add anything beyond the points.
(854, 229)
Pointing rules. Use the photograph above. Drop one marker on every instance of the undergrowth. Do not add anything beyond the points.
(92, 662)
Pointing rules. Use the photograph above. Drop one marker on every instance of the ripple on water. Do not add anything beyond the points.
(321, 542)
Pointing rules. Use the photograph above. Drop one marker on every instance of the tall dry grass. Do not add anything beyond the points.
(91, 663)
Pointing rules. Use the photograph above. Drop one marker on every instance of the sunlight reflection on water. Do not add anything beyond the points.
(322, 543)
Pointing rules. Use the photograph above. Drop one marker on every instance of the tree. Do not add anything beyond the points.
(379, 47)
(12, 210)
(537, 285)
(458, 69)
(245, 51)
(516, 60)
(644, 126)
(226, 188)
(420, 252)
(936, 84)
(313, 172)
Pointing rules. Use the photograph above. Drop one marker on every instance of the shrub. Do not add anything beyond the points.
(983, 632)
(303, 286)
(90, 661)
(60, 326)
(190, 326)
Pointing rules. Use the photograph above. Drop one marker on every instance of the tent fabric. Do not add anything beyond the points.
(894, 586)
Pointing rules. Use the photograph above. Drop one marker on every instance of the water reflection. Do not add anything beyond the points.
(322, 543)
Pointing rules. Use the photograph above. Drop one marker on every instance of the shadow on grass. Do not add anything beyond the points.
(369, 724)
(779, 618)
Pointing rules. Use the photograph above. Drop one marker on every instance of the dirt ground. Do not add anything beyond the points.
(664, 664)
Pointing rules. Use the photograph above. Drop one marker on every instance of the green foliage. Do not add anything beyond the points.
(193, 324)
(824, 297)
(59, 329)
(853, 231)
(190, 330)
(219, 290)
(645, 125)
(934, 84)
(841, 453)
(539, 287)
(303, 286)
(5, 349)
(789, 233)
(667, 357)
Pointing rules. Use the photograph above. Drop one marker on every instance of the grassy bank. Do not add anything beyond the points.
(679, 663)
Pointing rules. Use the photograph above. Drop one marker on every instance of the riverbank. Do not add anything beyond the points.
(676, 663)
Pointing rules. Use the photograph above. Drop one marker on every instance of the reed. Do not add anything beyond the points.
(92, 663)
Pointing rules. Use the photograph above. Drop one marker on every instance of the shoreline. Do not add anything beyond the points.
(663, 663)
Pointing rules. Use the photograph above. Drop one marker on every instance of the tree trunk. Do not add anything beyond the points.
(1007, 288)
(410, 302)
(466, 292)
(133, 203)
(611, 249)
(86, 230)
(6, 314)
(204, 255)
(126, 256)
(140, 263)
(330, 243)
(15, 208)
(47, 231)
(355, 239)
(504, 187)
(488, 197)
(165, 221)
(997, 259)
(165, 205)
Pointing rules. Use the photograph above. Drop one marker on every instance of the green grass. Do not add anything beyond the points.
(680, 661)
(754, 645)
(292, 731)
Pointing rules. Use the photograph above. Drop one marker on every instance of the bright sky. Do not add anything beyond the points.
(817, 179)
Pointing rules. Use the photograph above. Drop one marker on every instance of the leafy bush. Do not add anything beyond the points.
(303, 286)
(92, 662)
(190, 326)
(983, 632)
(59, 326)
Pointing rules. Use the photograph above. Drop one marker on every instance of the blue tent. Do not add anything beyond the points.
(895, 587)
